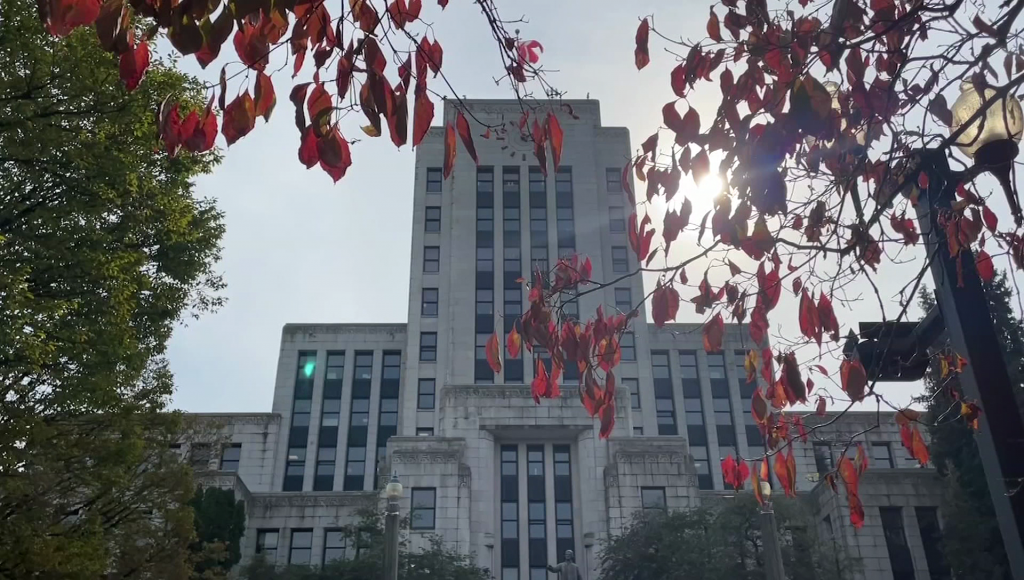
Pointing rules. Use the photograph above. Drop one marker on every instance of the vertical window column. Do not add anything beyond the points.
(484, 318)
(536, 512)
(896, 543)
(931, 539)
(387, 423)
(509, 512)
(512, 268)
(634, 404)
(755, 441)
(564, 535)
(538, 222)
(330, 418)
(663, 402)
(696, 432)
(724, 423)
(298, 435)
(359, 421)
(566, 235)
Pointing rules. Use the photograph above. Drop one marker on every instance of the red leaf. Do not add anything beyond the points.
(664, 304)
(494, 352)
(759, 407)
(202, 137)
(922, 180)
(555, 136)
(344, 77)
(820, 407)
(449, 150)
(769, 288)
(252, 47)
(810, 323)
(990, 219)
(308, 154)
(239, 118)
(335, 157)
(800, 428)
(701, 166)
(714, 30)
(265, 97)
(63, 16)
(539, 386)
(607, 419)
(133, 65)
(642, 55)
(713, 332)
(626, 185)
(854, 379)
(423, 114)
(729, 471)
(462, 126)
(319, 106)
(983, 261)
(513, 343)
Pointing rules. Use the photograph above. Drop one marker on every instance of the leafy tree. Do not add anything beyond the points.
(103, 249)
(220, 524)
(436, 561)
(972, 542)
(721, 542)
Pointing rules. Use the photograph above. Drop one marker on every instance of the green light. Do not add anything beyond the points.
(309, 367)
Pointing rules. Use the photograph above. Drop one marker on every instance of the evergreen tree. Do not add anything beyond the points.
(973, 545)
(220, 524)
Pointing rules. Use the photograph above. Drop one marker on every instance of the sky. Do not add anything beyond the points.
(299, 248)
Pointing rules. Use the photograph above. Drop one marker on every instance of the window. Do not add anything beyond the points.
(634, 392)
(266, 544)
(564, 536)
(356, 464)
(931, 538)
(302, 547)
(822, 457)
(325, 458)
(627, 344)
(485, 259)
(424, 431)
(881, 455)
(896, 542)
(360, 413)
(364, 366)
(620, 260)
(703, 468)
(485, 219)
(428, 308)
(392, 366)
(638, 431)
(653, 499)
(334, 546)
(483, 373)
(335, 375)
(433, 219)
(434, 179)
(612, 180)
(664, 405)
(431, 259)
(421, 516)
(428, 346)
(425, 396)
(388, 412)
(623, 300)
(513, 259)
(509, 511)
(485, 302)
(200, 456)
(616, 219)
(229, 457)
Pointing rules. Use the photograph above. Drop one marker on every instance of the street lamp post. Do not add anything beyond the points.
(770, 537)
(989, 137)
(393, 491)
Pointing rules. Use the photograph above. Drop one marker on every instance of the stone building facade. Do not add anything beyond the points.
(497, 476)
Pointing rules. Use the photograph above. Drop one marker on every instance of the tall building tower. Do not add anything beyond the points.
(511, 482)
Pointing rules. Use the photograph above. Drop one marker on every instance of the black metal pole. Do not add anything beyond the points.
(391, 540)
(972, 334)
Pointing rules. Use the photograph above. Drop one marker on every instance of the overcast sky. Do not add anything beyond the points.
(301, 249)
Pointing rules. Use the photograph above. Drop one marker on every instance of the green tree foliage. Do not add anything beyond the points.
(435, 562)
(720, 543)
(220, 524)
(973, 545)
(103, 249)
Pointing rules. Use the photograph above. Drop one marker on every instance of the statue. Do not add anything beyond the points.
(567, 570)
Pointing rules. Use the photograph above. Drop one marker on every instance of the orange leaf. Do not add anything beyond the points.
(714, 30)
(513, 343)
(906, 416)
(759, 407)
(539, 386)
(449, 150)
(970, 412)
(239, 118)
(265, 97)
(555, 136)
(423, 114)
(494, 352)
(854, 379)
(984, 263)
(607, 419)
(810, 321)
(642, 54)
(713, 332)
(462, 125)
